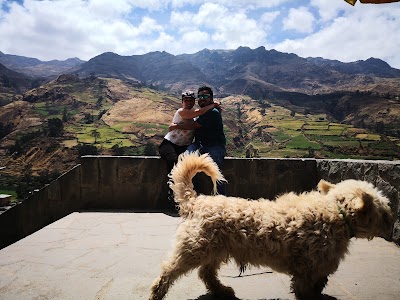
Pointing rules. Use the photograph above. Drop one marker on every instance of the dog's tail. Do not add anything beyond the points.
(189, 164)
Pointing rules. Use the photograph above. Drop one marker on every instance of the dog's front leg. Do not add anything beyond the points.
(208, 273)
(308, 287)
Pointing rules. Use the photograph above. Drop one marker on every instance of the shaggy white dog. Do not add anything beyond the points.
(304, 236)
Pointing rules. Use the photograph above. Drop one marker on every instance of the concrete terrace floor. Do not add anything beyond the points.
(117, 255)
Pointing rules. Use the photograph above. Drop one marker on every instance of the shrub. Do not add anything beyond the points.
(87, 150)
(150, 149)
(55, 127)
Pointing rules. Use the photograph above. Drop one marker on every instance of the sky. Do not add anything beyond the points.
(332, 29)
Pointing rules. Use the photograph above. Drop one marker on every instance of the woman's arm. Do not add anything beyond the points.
(190, 114)
(186, 126)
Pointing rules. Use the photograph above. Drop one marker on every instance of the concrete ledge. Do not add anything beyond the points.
(139, 182)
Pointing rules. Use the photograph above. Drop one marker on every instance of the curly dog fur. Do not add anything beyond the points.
(303, 235)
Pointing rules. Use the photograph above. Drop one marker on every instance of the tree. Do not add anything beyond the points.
(20, 142)
(87, 150)
(16, 148)
(88, 118)
(239, 110)
(75, 104)
(380, 127)
(94, 133)
(99, 101)
(311, 152)
(101, 113)
(117, 149)
(27, 184)
(150, 149)
(6, 81)
(5, 129)
(65, 115)
(55, 127)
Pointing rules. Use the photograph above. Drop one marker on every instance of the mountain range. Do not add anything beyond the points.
(36, 68)
(254, 72)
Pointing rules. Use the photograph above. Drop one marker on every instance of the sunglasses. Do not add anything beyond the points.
(204, 96)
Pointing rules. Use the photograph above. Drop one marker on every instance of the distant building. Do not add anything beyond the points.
(5, 199)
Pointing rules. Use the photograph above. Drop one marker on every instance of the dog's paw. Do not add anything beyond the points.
(225, 292)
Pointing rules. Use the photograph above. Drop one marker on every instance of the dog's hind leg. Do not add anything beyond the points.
(208, 273)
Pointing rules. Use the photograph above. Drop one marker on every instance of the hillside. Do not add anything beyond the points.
(13, 84)
(45, 133)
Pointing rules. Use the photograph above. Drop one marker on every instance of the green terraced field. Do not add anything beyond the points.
(296, 135)
(368, 137)
(108, 136)
(300, 142)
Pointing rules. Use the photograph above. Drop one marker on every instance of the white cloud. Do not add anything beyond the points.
(144, 4)
(197, 37)
(103, 9)
(149, 25)
(183, 21)
(300, 20)
(62, 29)
(211, 14)
(85, 28)
(365, 33)
(269, 17)
(215, 26)
(181, 3)
(233, 29)
(163, 42)
(243, 31)
(329, 10)
(248, 4)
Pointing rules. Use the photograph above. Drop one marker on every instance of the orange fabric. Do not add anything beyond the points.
(378, 1)
(352, 2)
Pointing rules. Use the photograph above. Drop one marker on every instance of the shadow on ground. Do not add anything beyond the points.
(211, 297)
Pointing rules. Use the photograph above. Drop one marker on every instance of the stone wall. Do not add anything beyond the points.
(385, 175)
(139, 183)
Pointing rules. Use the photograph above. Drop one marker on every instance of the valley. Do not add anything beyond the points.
(107, 116)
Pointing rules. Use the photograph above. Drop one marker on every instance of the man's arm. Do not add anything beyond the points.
(189, 114)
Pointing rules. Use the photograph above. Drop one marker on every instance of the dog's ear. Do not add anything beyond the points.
(324, 186)
(362, 201)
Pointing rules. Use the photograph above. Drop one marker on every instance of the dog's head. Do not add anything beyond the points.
(368, 210)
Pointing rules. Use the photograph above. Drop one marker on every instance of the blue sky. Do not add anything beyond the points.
(331, 29)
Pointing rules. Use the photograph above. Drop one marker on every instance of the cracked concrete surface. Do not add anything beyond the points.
(117, 255)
